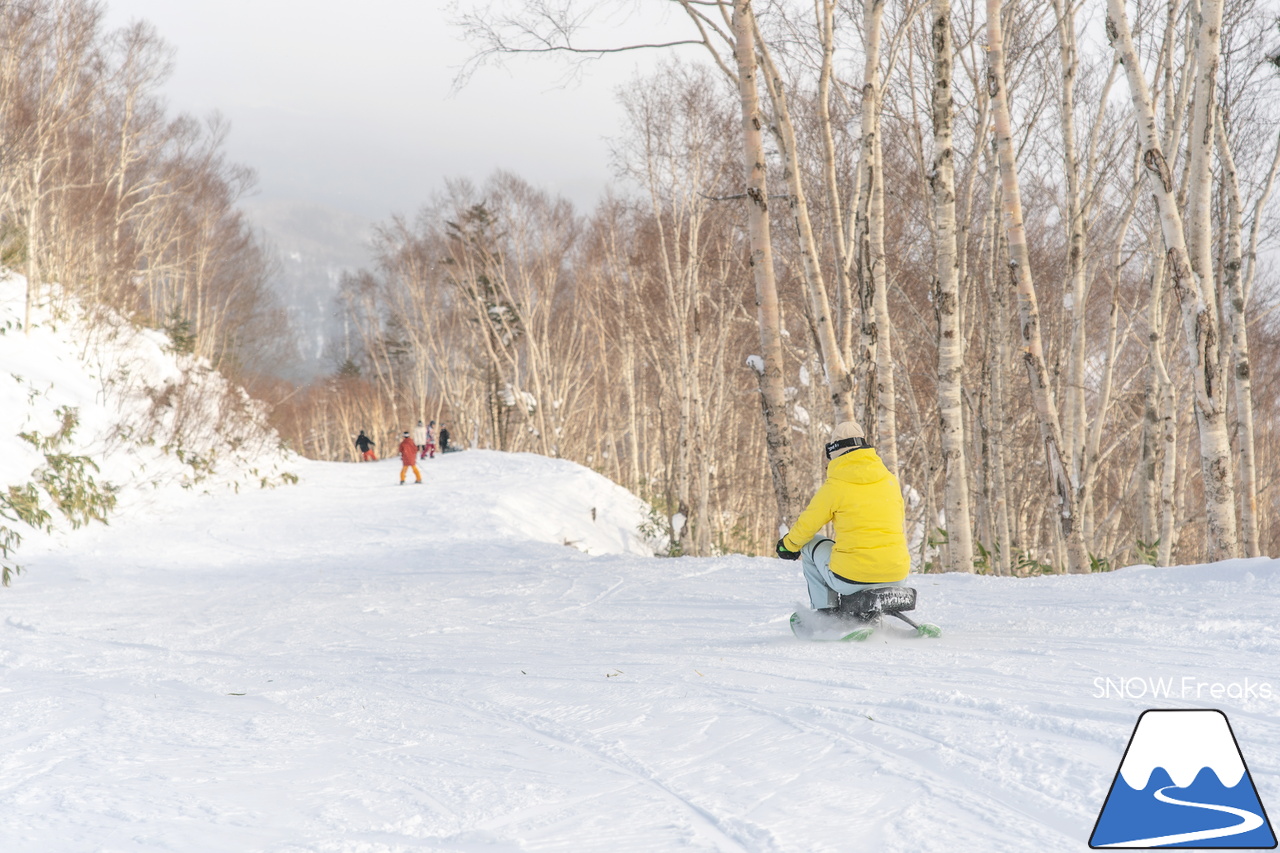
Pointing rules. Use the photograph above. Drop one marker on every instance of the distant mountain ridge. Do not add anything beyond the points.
(313, 245)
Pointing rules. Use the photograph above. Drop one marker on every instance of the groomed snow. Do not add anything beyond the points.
(352, 665)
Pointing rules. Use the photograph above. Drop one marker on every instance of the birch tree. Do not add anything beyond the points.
(1234, 308)
(835, 370)
(875, 370)
(947, 298)
(1061, 487)
(1192, 282)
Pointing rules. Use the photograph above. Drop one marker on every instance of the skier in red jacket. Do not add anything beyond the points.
(409, 458)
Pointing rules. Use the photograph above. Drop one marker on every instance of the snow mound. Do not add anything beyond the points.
(490, 497)
(548, 500)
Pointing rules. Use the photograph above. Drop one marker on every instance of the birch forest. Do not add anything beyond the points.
(118, 202)
(1024, 244)
(1030, 247)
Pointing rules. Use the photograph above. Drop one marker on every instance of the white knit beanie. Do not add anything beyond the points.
(844, 432)
(847, 429)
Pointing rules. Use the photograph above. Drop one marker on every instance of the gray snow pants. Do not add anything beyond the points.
(815, 558)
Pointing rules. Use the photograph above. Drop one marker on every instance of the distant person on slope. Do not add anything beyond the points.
(864, 501)
(409, 458)
(431, 440)
(420, 438)
(444, 439)
(365, 445)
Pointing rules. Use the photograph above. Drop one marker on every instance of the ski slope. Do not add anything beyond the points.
(351, 665)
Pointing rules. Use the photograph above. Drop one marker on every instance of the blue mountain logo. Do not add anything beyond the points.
(1183, 783)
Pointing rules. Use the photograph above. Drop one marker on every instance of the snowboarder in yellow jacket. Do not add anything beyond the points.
(863, 500)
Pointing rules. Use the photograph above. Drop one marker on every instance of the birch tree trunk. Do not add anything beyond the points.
(835, 372)
(1063, 490)
(1163, 428)
(1234, 305)
(1073, 390)
(885, 382)
(1081, 178)
(1199, 208)
(769, 318)
(1194, 291)
(875, 369)
(997, 362)
(839, 243)
(1149, 466)
(959, 551)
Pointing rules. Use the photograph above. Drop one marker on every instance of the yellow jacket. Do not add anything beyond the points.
(864, 500)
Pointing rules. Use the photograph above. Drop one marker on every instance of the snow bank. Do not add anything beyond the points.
(154, 422)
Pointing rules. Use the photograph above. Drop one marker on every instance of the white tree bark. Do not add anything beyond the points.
(1234, 304)
(835, 371)
(959, 551)
(997, 362)
(840, 244)
(1194, 291)
(1073, 415)
(1199, 208)
(875, 368)
(1063, 490)
(769, 317)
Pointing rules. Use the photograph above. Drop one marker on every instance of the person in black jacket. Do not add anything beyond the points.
(444, 439)
(365, 445)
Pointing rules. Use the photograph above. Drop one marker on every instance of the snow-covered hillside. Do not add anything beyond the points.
(353, 665)
(152, 423)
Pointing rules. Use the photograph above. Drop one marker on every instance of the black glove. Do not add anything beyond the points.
(784, 553)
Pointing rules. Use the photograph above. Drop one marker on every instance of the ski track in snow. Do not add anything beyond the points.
(348, 665)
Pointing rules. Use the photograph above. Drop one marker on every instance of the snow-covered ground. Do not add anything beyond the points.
(351, 665)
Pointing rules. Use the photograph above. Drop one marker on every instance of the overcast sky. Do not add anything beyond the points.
(349, 103)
